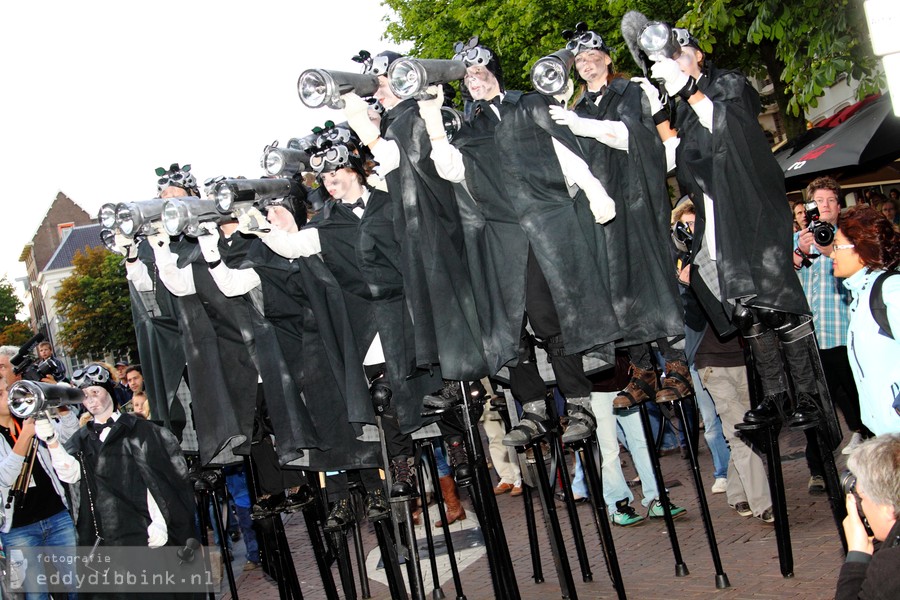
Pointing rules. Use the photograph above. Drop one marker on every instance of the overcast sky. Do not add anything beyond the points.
(97, 94)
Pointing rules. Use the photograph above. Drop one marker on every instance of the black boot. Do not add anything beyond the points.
(459, 460)
(449, 396)
(376, 506)
(806, 411)
(340, 516)
(403, 476)
(769, 410)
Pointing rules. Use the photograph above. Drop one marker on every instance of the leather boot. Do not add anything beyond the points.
(459, 460)
(676, 385)
(403, 476)
(532, 424)
(642, 387)
(581, 420)
(806, 411)
(769, 410)
(455, 510)
(449, 396)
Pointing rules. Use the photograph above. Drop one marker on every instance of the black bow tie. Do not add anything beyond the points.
(358, 204)
(592, 96)
(97, 428)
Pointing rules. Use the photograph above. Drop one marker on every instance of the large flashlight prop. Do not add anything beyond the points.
(318, 87)
(550, 74)
(29, 398)
(410, 77)
(136, 217)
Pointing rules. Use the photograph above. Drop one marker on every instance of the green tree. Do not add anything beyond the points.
(805, 45)
(95, 305)
(16, 334)
(10, 305)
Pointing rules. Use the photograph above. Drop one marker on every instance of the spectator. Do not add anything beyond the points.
(134, 377)
(142, 496)
(123, 393)
(864, 248)
(868, 573)
(139, 405)
(41, 518)
(799, 210)
(45, 353)
(236, 482)
(830, 302)
(889, 209)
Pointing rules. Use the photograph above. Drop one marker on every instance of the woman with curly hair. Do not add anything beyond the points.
(865, 248)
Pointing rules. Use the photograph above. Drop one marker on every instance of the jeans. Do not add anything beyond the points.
(246, 525)
(442, 466)
(57, 530)
(712, 432)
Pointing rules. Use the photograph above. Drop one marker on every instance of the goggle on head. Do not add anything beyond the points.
(372, 65)
(684, 38)
(471, 53)
(333, 134)
(581, 39)
(175, 176)
(330, 157)
(90, 375)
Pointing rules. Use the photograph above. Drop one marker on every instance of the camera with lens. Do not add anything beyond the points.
(848, 485)
(822, 232)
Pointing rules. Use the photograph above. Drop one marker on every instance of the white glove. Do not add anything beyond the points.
(45, 431)
(160, 239)
(579, 125)
(357, 112)
(157, 534)
(603, 207)
(209, 242)
(252, 222)
(430, 111)
(126, 246)
(669, 71)
(651, 92)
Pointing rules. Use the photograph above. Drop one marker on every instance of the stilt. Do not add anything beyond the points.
(681, 569)
(537, 570)
(558, 464)
(428, 453)
(691, 437)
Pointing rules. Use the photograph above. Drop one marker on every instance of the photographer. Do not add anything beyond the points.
(830, 302)
(868, 573)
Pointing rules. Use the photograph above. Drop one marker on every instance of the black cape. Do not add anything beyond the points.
(641, 273)
(559, 227)
(287, 307)
(735, 167)
(436, 276)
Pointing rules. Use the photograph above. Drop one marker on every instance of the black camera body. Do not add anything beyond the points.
(823, 232)
(848, 485)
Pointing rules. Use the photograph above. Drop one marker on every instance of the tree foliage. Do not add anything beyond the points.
(805, 45)
(10, 304)
(16, 334)
(95, 305)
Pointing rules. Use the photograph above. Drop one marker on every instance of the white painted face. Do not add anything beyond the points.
(342, 184)
(384, 94)
(481, 83)
(593, 67)
(97, 400)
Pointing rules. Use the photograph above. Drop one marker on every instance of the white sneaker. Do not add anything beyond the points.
(855, 440)
(719, 486)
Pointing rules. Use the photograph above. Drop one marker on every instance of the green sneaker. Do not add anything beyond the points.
(656, 510)
(625, 515)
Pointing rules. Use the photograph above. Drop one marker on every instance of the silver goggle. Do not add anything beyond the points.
(332, 159)
(92, 375)
(335, 135)
(377, 66)
(586, 41)
(472, 54)
(684, 37)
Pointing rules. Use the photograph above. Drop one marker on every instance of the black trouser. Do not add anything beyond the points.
(639, 354)
(524, 379)
(272, 478)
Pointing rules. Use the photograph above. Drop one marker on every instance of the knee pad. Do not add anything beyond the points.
(381, 394)
(743, 319)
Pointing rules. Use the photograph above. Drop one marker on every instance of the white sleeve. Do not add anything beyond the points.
(66, 466)
(613, 134)
(704, 110)
(448, 160)
(573, 167)
(387, 155)
(671, 145)
(179, 281)
(294, 245)
(137, 273)
(234, 282)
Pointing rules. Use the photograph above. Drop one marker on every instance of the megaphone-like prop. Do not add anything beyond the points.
(29, 398)
(232, 192)
(184, 215)
(135, 217)
(658, 41)
(318, 87)
(410, 77)
(550, 74)
(283, 162)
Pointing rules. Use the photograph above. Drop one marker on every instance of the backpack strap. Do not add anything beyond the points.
(877, 305)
